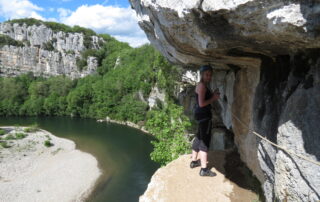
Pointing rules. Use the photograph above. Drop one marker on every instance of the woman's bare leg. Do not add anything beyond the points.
(194, 155)
(203, 159)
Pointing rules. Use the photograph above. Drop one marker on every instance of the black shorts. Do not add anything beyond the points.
(203, 137)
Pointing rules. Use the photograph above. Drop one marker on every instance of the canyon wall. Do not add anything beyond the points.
(266, 60)
(45, 52)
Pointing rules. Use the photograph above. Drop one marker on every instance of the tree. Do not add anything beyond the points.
(169, 125)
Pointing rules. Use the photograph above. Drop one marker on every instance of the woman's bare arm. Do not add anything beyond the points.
(201, 90)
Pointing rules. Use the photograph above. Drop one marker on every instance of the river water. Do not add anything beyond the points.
(123, 153)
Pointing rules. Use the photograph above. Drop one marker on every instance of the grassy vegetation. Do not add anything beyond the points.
(15, 136)
(47, 143)
(4, 144)
(10, 137)
(2, 132)
(20, 136)
(32, 128)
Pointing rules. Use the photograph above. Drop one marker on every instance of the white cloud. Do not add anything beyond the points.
(63, 13)
(10, 9)
(118, 22)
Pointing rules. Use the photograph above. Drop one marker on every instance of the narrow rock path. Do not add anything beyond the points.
(178, 182)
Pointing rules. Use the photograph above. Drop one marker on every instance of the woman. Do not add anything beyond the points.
(203, 117)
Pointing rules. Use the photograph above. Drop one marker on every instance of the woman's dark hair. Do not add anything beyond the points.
(204, 68)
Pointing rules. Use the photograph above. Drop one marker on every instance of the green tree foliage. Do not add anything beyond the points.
(27, 21)
(81, 63)
(27, 95)
(6, 40)
(169, 125)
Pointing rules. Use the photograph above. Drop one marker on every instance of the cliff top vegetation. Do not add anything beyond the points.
(56, 27)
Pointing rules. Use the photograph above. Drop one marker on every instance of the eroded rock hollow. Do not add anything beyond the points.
(266, 56)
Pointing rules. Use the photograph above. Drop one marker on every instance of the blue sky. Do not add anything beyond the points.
(114, 17)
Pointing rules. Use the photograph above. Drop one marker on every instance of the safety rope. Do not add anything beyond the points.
(272, 143)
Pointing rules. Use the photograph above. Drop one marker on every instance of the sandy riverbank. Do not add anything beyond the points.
(31, 171)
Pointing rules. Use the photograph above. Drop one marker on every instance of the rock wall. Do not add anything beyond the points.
(287, 112)
(267, 64)
(61, 58)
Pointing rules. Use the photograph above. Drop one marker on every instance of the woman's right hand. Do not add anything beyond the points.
(215, 96)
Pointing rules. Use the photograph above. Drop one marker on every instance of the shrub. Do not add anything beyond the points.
(10, 137)
(87, 41)
(48, 46)
(70, 52)
(47, 143)
(169, 126)
(20, 135)
(4, 144)
(81, 63)
(2, 132)
(33, 128)
(16, 136)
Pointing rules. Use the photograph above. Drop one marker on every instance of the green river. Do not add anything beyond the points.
(123, 153)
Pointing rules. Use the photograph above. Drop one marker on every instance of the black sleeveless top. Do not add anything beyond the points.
(203, 112)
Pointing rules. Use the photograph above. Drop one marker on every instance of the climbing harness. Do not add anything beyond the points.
(270, 142)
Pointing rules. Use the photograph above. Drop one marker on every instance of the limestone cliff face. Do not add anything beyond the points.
(45, 52)
(267, 62)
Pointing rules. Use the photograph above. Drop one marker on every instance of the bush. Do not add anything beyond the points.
(81, 63)
(10, 137)
(47, 143)
(4, 144)
(169, 125)
(2, 132)
(20, 136)
(32, 128)
(48, 46)
(70, 52)
(87, 41)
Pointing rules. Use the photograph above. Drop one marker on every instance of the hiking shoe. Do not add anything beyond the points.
(207, 172)
(194, 164)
